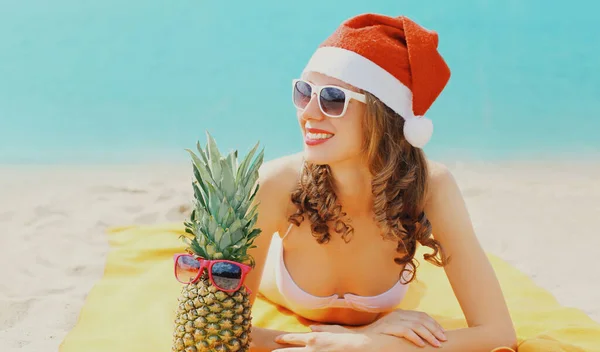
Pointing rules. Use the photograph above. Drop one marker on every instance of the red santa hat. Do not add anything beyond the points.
(393, 58)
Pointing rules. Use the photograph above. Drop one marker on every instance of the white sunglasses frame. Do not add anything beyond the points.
(315, 89)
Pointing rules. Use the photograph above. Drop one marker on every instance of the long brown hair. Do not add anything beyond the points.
(399, 186)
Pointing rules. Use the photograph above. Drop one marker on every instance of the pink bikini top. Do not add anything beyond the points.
(383, 302)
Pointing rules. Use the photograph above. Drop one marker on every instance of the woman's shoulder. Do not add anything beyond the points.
(440, 179)
(277, 180)
(282, 171)
(278, 177)
(437, 170)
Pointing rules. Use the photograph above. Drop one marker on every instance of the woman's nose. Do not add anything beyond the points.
(312, 111)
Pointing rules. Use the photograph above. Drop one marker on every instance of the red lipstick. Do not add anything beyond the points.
(316, 141)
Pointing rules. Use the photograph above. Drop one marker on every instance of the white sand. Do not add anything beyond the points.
(543, 219)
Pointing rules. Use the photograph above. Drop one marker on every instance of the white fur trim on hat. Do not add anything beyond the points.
(418, 130)
(364, 74)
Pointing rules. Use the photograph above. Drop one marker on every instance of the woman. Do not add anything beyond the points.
(341, 221)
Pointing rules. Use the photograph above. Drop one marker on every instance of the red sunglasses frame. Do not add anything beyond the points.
(207, 264)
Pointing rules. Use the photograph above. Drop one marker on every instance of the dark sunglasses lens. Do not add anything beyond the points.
(227, 276)
(186, 268)
(332, 101)
(302, 93)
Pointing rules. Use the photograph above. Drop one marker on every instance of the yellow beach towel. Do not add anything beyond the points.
(132, 307)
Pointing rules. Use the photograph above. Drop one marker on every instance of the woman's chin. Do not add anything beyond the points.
(317, 157)
(328, 156)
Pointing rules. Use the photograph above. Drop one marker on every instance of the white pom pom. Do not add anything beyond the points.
(418, 130)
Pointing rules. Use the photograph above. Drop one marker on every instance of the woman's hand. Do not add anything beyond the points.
(416, 327)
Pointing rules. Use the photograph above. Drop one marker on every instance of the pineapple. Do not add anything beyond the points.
(221, 226)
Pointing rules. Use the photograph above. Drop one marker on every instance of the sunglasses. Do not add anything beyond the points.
(333, 100)
(226, 275)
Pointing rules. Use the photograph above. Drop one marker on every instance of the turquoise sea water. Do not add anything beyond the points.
(119, 81)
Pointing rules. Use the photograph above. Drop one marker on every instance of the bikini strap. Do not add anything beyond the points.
(289, 229)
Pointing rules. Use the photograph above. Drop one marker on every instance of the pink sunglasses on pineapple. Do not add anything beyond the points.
(226, 275)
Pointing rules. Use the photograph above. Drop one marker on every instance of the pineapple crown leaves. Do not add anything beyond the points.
(221, 225)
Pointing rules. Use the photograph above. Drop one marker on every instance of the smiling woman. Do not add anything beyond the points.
(362, 197)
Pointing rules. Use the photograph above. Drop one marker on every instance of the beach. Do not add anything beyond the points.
(541, 217)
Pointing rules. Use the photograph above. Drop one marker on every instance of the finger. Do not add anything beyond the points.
(302, 339)
(423, 318)
(428, 318)
(433, 322)
(425, 334)
(435, 328)
(291, 349)
(404, 332)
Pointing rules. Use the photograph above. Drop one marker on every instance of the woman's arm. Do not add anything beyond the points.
(263, 340)
(469, 271)
(342, 339)
(269, 201)
(271, 197)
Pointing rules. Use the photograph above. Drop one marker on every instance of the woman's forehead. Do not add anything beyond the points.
(321, 79)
